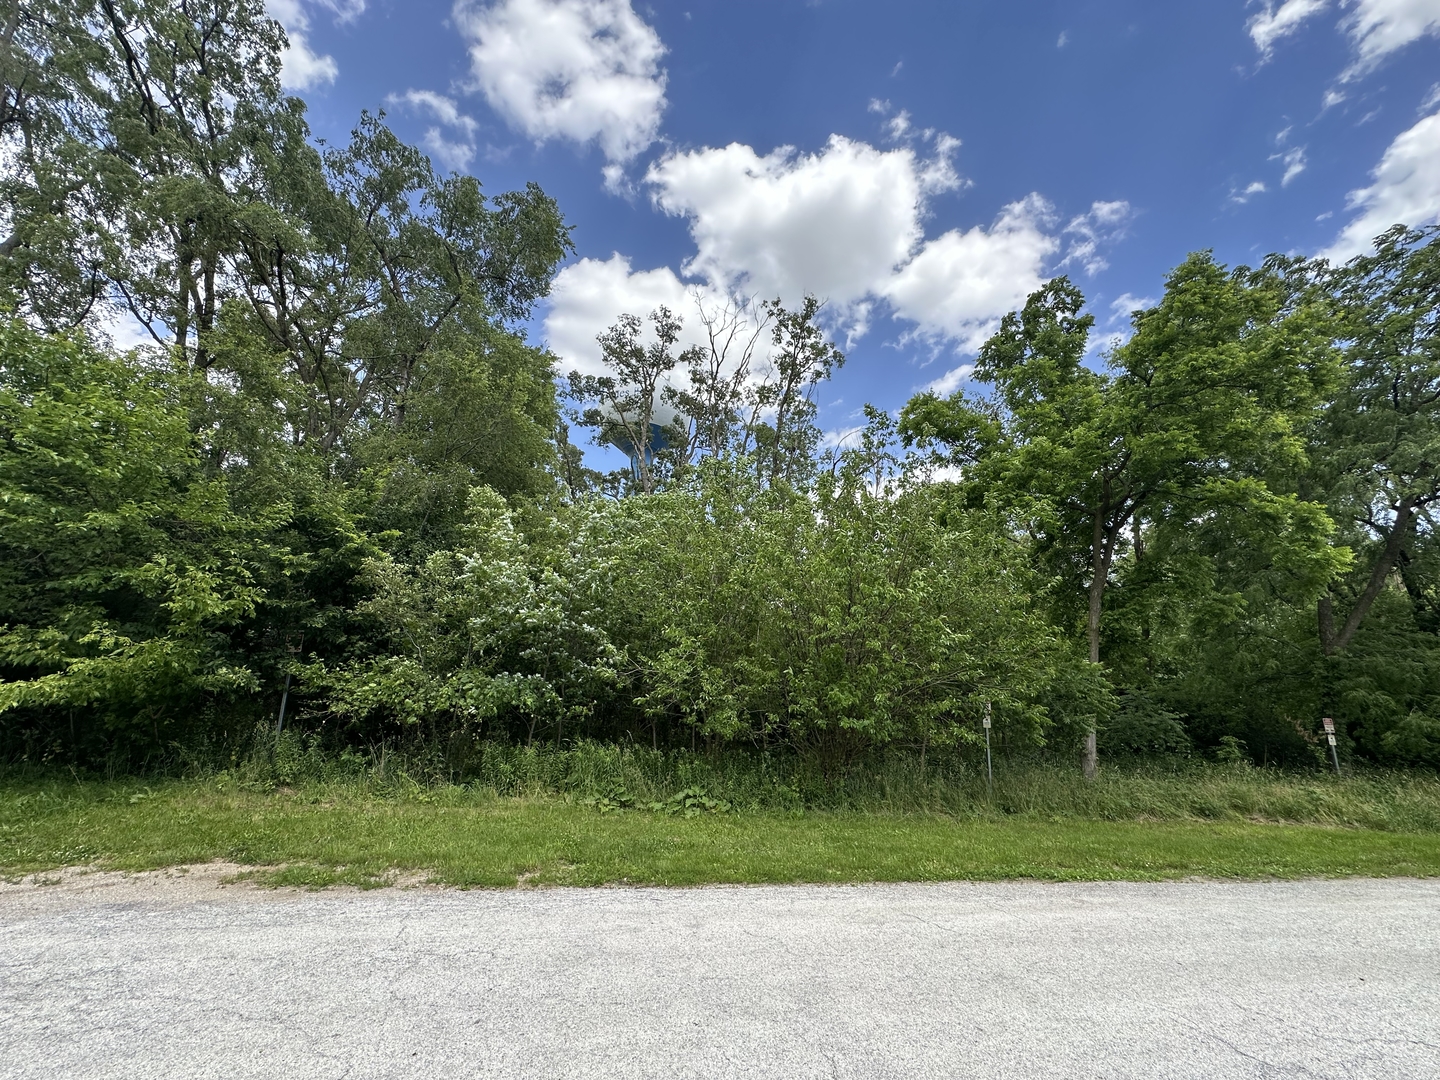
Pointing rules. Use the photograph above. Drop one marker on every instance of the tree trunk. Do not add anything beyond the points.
(1097, 585)
(1102, 550)
(1332, 641)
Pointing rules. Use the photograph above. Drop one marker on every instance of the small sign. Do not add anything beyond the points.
(1331, 738)
(986, 722)
(1329, 726)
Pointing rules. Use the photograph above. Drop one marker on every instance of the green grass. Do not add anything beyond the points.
(322, 834)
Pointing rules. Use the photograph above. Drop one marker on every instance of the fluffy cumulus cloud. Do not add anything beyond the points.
(1405, 190)
(845, 223)
(588, 296)
(301, 68)
(1376, 28)
(583, 70)
(836, 223)
(451, 138)
(960, 283)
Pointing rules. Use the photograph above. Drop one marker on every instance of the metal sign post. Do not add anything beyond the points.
(1330, 737)
(989, 768)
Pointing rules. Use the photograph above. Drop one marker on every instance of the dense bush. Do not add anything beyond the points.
(341, 488)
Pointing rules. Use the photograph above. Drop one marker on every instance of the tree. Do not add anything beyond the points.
(51, 124)
(830, 620)
(719, 375)
(728, 403)
(373, 263)
(782, 419)
(124, 567)
(1193, 414)
(627, 399)
(1376, 446)
(137, 168)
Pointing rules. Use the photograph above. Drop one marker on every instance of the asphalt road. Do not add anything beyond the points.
(180, 979)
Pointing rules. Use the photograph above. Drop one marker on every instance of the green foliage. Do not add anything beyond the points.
(1141, 725)
(480, 634)
(123, 564)
(341, 474)
(830, 623)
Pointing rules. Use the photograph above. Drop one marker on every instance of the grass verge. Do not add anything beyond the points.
(327, 835)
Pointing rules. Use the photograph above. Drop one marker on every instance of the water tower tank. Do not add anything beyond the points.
(662, 416)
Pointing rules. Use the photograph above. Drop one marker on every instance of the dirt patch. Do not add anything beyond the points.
(172, 886)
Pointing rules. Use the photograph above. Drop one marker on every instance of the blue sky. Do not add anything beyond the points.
(921, 165)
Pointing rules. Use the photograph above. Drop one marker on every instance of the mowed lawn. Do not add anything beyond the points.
(325, 838)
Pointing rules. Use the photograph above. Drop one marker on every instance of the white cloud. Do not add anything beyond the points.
(1103, 225)
(845, 224)
(1380, 27)
(301, 68)
(584, 70)
(1273, 23)
(588, 296)
(836, 223)
(1126, 304)
(1244, 195)
(960, 283)
(122, 330)
(345, 10)
(1115, 329)
(1405, 191)
(951, 381)
(1294, 162)
(840, 438)
(453, 153)
(1376, 28)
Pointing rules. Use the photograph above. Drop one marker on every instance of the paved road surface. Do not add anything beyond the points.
(181, 979)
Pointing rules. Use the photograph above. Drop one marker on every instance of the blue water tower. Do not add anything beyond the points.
(662, 416)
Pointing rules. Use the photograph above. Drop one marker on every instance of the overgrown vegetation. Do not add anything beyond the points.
(599, 814)
(335, 504)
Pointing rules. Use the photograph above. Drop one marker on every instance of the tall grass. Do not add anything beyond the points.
(612, 777)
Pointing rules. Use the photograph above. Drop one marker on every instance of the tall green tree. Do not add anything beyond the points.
(1185, 426)
(1376, 446)
(367, 264)
(137, 167)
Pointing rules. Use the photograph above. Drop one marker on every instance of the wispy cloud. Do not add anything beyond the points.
(1376, 29)
(1273, 23)
(1090, 233)
(1405, 190)
(1244, 195)
(451, 141)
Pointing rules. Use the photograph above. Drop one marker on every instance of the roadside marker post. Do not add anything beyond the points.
(989, 768)
(1330, 738)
